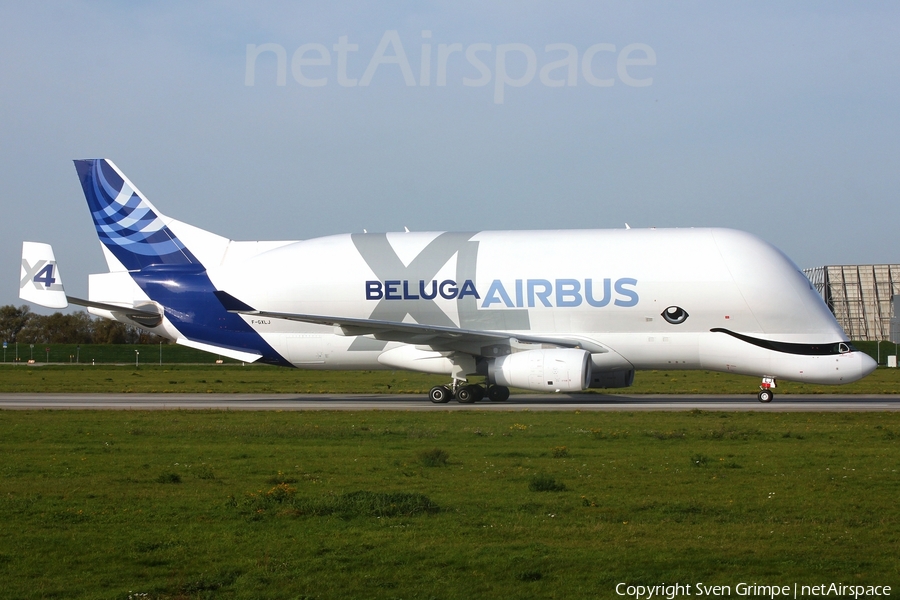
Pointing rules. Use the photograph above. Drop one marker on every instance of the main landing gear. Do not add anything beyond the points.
(765, 390)
(467, 394)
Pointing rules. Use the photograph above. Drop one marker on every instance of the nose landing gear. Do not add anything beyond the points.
(765, 390)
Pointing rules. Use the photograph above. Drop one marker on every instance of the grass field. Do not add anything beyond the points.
(441, 505)
(266, 379)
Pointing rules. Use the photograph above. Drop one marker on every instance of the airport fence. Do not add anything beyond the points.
(142, 354)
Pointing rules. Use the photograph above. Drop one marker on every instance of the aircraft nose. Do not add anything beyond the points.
(867, 364)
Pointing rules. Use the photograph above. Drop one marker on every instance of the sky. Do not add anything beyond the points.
(780, 119)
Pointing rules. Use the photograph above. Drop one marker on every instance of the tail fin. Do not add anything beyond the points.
(40, 281)
(128, 225)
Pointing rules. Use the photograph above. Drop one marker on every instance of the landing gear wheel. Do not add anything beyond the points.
(498, 393)
(765, 395)
(440, 394)
(466, 394)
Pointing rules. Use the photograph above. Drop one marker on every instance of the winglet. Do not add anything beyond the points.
(39, 279)
(232, 304)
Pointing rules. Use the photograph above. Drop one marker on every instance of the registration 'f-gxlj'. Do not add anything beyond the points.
(557, 311)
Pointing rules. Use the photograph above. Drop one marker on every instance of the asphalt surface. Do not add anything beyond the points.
(525, 402)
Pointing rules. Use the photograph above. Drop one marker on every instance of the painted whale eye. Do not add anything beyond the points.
(675, 315)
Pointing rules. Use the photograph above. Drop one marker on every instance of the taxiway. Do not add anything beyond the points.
(523, 402)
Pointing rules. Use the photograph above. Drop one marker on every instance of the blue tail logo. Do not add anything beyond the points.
(126, 223)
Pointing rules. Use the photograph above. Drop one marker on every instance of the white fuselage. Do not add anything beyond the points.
(607, 289)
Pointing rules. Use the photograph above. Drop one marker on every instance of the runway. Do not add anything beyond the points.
(523, 402)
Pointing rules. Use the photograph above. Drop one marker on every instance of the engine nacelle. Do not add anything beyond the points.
(555, 370)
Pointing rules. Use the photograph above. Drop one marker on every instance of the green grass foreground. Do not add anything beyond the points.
(279, 380)
(460, 504)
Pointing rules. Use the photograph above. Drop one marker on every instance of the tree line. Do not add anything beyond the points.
(19, 324)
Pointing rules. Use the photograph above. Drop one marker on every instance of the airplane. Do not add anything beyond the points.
(548, 311)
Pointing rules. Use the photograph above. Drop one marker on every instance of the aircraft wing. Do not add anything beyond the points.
(467, 340)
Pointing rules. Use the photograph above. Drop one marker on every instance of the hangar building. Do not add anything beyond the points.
(863, 298)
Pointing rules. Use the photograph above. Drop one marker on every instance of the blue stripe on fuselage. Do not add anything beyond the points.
(187, 295)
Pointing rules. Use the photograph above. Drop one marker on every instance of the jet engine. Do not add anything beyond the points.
(556, 370)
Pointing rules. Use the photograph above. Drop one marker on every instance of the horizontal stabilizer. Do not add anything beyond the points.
(145, 318)
(40, 282)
